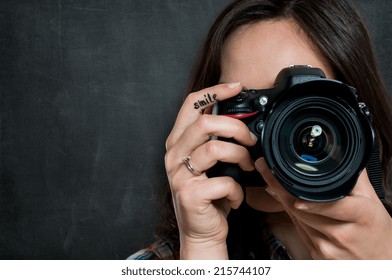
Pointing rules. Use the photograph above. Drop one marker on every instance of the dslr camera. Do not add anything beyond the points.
(314, 133)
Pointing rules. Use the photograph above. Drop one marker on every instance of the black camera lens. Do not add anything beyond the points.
(312, 145)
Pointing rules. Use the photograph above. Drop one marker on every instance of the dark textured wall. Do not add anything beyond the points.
(89, 92)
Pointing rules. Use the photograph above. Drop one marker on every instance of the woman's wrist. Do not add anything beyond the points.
(208, 250)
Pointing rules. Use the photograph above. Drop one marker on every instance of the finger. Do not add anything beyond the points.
(349, 209)
(221, 187)
(196, 103)
(207, 155)
(206, 126)
(316, 238)
(318, 244)
(330, 237)
(323, 224)
(304, 233)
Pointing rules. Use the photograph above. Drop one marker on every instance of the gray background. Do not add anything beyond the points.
(89, 92)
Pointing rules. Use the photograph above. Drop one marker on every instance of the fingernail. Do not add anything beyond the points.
(270, 191)
(301, 206)
(253, 136)
(259, 164)
(253, 167)
(233, 85)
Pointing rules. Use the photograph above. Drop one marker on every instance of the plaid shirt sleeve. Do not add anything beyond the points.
(159, 250)
(162, 250)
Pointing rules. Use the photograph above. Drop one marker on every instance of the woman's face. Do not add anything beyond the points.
(254, 54)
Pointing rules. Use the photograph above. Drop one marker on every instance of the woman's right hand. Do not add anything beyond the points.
(202, 204)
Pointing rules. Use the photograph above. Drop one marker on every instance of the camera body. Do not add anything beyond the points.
(314, 133)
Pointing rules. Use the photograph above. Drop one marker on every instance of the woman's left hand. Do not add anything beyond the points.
(355, 227)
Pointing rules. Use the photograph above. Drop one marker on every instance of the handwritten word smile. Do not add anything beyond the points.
(208, 99)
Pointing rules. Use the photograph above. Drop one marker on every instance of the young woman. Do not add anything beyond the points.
(248, 45)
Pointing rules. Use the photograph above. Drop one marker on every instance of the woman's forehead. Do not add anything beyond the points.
(254, 54)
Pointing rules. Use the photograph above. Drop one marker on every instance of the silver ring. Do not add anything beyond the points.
(186, 161)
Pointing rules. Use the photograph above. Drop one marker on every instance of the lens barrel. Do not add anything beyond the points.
(316, 142)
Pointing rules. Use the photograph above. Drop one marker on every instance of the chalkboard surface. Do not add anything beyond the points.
(89, 92)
